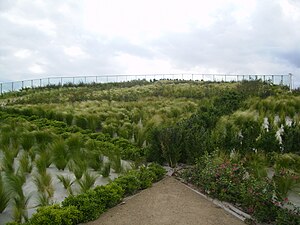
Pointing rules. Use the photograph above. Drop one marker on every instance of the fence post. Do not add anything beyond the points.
(1, 88)
(12, 86)
(291, 81)
(22, 84)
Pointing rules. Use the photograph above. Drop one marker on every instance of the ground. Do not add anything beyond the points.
(167, 202)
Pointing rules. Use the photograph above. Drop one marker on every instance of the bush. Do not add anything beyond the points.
(158, 170)
(288, 217)
(129, 183)
(110, 194)
(87, 203)
(222, 178)
(146, 177)
(56, 214)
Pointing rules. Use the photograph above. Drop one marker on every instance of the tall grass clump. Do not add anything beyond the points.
(78, 166)
(75, 143)
(20, 201)
(106, 169)
(59, 153)
(8, 160)
(86, 182)
(27, 141)
(25, 164)
(44, 186)
(43, 162)
(66, 182)
(4, 196)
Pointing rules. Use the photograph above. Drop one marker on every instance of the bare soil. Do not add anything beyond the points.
(167, 202)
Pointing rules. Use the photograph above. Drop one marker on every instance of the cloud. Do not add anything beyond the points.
(54, 38)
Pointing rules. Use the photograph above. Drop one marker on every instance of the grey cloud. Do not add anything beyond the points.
(231, 47)
(268, 39)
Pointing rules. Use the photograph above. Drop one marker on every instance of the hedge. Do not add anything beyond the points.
(91, 204)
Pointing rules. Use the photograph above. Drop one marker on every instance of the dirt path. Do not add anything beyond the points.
(167, 202)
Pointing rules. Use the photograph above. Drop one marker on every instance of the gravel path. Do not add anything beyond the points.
(167, 202)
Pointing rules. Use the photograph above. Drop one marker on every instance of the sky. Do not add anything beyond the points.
(42, 38)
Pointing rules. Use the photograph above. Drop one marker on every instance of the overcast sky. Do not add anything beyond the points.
(41, 38)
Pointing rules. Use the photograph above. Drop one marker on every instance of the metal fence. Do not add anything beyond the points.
(284, 79)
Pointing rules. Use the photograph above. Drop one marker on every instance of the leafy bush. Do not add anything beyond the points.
(87, 203)
(55, 215)
(129, 183)
(110, 194)
(158, 170)
(146, 177)
(288, 217)
(228, 180)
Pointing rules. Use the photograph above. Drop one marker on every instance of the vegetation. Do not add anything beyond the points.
(241, 139)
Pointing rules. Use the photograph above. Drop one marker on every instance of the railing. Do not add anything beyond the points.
(285, 79)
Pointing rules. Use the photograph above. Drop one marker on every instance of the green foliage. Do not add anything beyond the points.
(110, 194)
(27, 141)
(19, 200)
(129, 183)
(56, 214)
(158, 170)
(146, 177)
(291, 138)
(87, 181)
(67, 183)
(87, 203)
(285, 181)
(25, 164)
(228, 180)
(43, 162)
(256, 164)
(78, 166)
(128, 150)
(59, 153)
(43, 183)
(4, 196)
(288, 217)
(106, 169)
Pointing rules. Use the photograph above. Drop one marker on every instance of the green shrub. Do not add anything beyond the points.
(288, 217)
(110, 194)
(56, 215)
(228, 180)
(145, 177)
(158, 170)
(129, 182)
(87, 203)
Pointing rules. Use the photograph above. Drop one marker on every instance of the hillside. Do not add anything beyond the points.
(78, 135)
